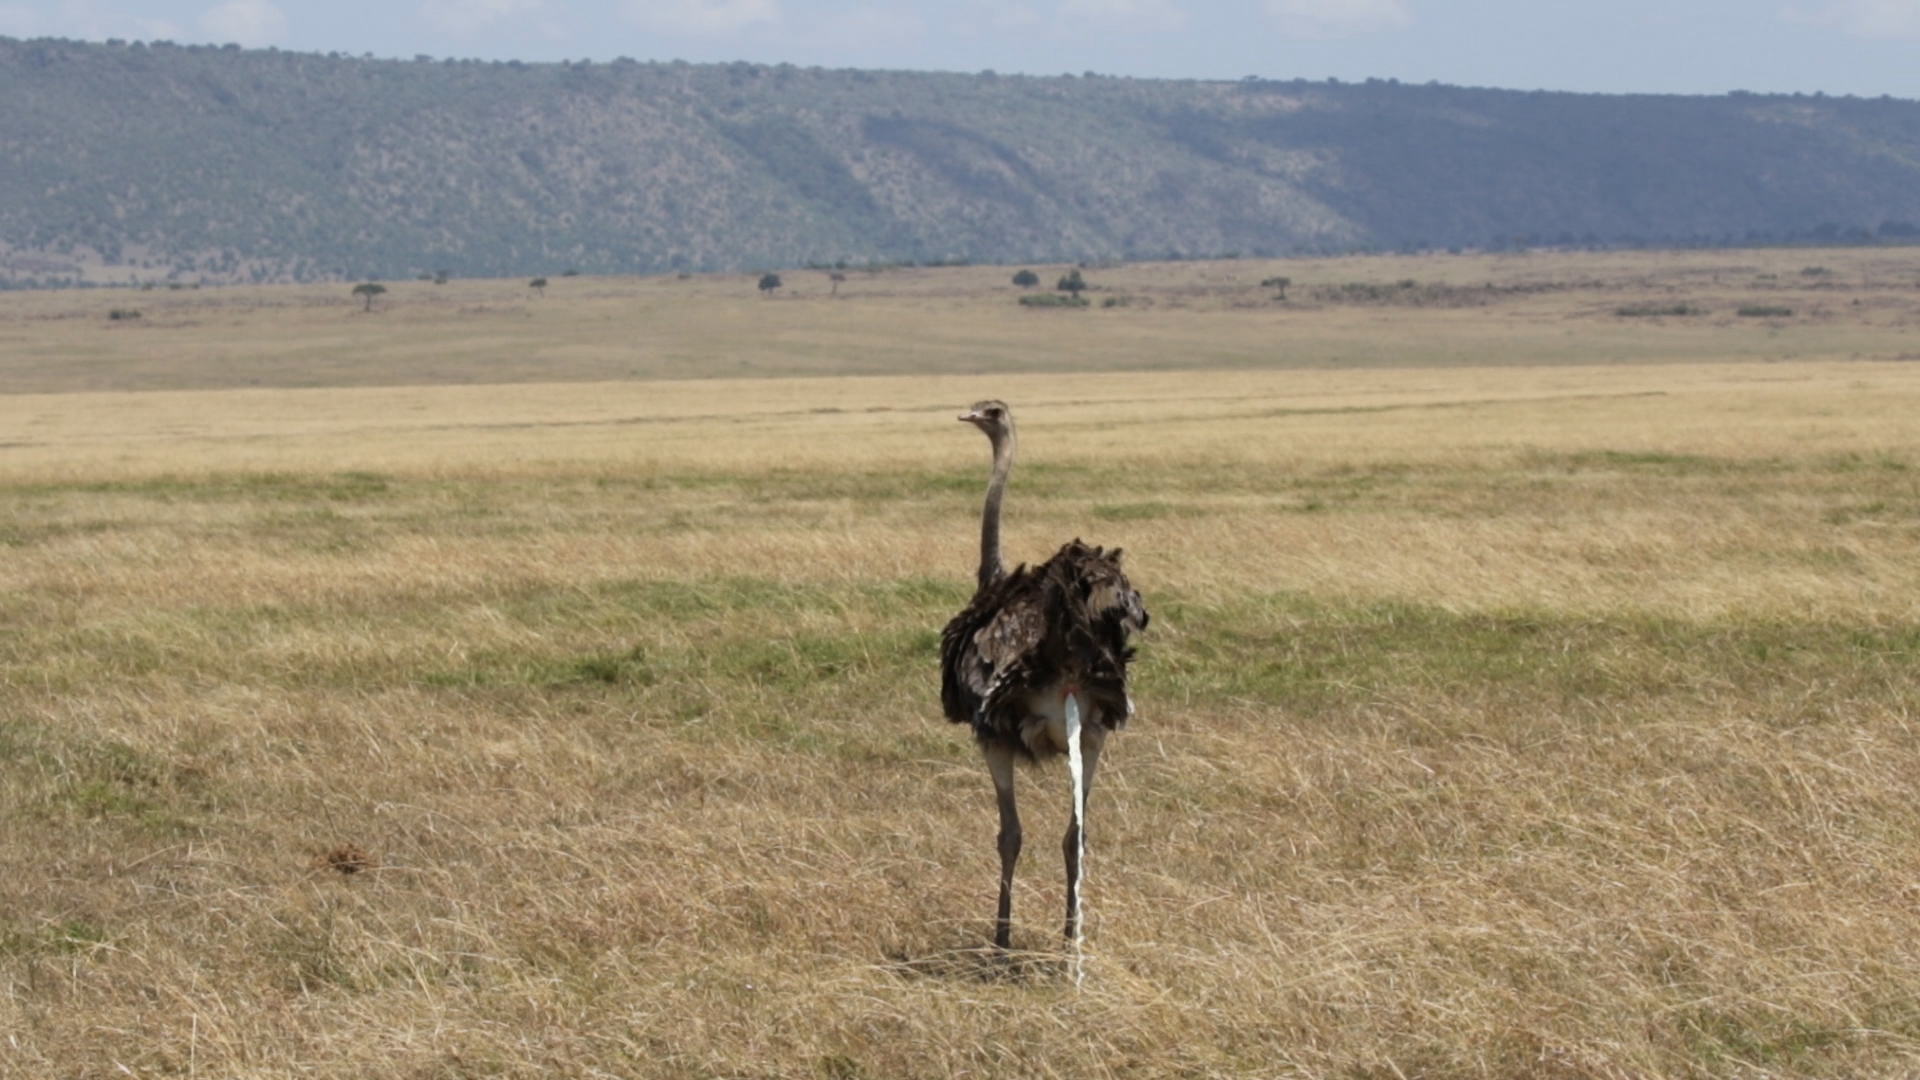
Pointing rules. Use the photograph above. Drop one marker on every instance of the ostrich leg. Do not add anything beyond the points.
(1000, 765)
(1083, 756)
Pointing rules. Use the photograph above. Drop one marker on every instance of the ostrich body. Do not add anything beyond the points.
(1037, 653)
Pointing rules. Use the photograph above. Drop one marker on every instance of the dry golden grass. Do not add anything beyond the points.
(1508, 721)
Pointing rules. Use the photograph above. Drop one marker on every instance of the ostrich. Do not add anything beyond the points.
(1037, 664)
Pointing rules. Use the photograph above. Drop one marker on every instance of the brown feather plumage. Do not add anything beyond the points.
(1065, 621)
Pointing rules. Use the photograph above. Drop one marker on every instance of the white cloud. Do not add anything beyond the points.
(81, 19)
(1864, 18)
(1319, 20)
(867, 28)
(466, 18)
(17, 21)
(1126, 14)
(1011, 15)
(701, 17)
(252, 23)
(1064, 20)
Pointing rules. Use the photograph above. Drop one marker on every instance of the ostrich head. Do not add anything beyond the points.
(992, 417)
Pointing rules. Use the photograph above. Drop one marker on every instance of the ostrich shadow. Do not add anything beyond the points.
(967, 959)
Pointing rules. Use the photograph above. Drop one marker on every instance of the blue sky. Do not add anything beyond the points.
(1864, 47)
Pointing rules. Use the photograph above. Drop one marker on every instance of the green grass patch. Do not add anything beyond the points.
(68, 936)
(726, 643)
(1730, 1038)
(630, 668)
(807, 660)
(61, 776)
(722, 635)
(1323, 659)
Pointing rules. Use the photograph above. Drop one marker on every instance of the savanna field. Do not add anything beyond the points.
(508, 684)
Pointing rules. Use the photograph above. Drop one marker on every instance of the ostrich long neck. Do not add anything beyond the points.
(993, 566)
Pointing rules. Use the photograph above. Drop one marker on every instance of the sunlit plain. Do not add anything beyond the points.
(1497, 720)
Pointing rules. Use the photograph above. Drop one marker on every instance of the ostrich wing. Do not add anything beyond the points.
(990, 644)
(1069, 617)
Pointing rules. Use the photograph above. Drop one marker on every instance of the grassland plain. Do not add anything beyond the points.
(1413, 311)
(1496, 721)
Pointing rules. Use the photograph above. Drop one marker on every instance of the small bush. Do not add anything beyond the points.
(1026, 279)
(122, 313)
(1116, 301)
(1765, 311)
(1054, 300)
(1641, 311)
(1815, 271)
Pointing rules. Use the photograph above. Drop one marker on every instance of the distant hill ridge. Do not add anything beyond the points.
(150, 161)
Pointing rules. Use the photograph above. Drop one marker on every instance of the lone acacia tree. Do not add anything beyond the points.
(1072, 283)
(836, 277)
(768, 283)
(1279, 283)
(369, 289)
(538, 285)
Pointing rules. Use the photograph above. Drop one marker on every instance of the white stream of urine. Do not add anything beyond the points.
(1076, 766)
